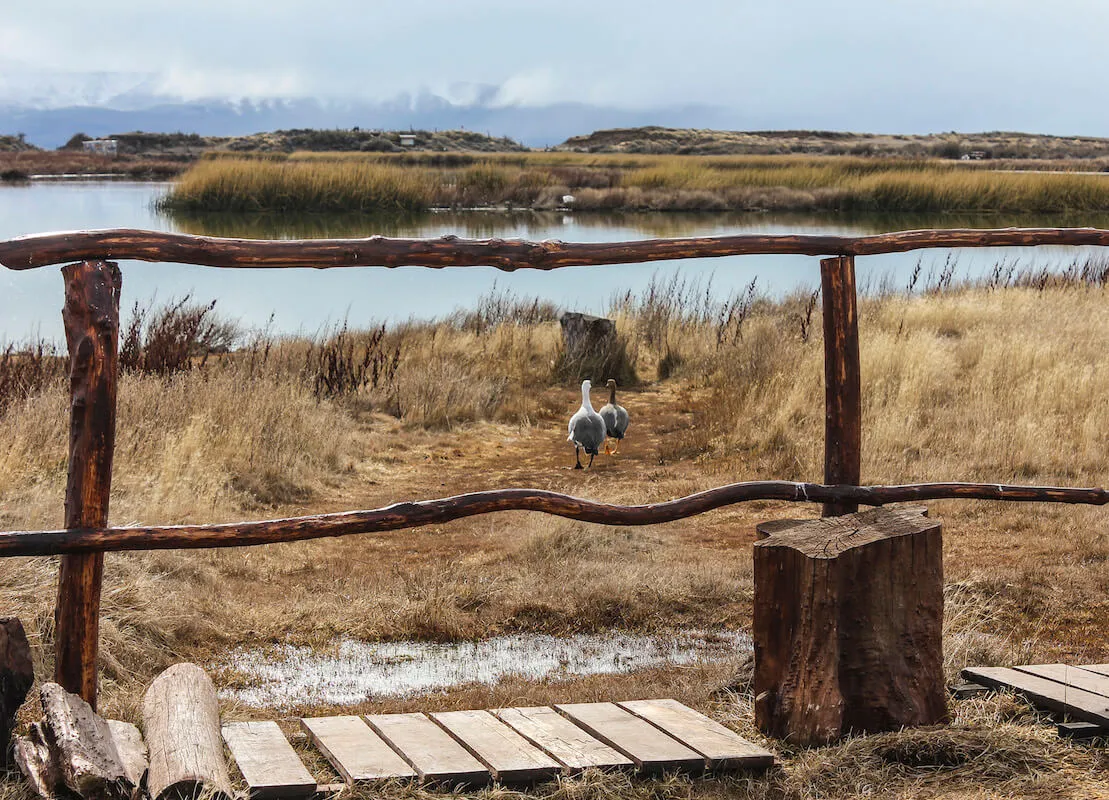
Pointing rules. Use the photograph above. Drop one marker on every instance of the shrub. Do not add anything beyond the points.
(170, 339)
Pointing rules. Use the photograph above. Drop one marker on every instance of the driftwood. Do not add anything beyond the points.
(848, 615)
(181, 720)
(16, 676)
(32, 755)
(72, 750)
(91, 317)
(435, 512)
(39, 250)
(132, 753)
(80, 746)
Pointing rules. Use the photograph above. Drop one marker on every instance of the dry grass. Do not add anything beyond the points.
(17, 166)
(971, 383)
(374, 182)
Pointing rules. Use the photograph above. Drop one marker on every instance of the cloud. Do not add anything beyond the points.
(859, 65)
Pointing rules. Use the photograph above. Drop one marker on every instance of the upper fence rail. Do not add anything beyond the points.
(40, 250)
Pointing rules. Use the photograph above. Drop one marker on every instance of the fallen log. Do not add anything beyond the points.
(32, 755)
(181, 720)
(132, 752)
(81, 747)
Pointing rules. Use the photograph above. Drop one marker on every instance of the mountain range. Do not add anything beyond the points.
(49, 123)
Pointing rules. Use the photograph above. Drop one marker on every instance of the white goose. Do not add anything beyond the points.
(587, 429)
(615, 417)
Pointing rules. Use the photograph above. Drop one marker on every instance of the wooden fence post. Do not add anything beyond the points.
(842, 379)
(91, 317)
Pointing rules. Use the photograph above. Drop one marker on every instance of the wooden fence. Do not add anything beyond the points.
(91, 317)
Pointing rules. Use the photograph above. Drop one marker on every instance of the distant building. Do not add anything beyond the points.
(101, 147)
(408, 140)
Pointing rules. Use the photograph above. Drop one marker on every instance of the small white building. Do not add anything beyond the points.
(101, 147)
(408, 140)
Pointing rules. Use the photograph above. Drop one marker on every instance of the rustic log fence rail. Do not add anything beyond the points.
(92, 327)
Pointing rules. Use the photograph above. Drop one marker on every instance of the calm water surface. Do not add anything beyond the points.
(304, 300)
(351, 672)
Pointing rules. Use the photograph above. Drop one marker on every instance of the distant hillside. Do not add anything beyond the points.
(367, 140)
(15, 144)
(692, 141)
(170, 145)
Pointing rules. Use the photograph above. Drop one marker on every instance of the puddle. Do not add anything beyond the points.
(353, 671)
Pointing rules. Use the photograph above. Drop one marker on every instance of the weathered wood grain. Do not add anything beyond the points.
(32, 755)
(430, 750)
(1077, 677)
(436, 512)
(1045, 693)
(847, 627)
(723, 748)
(1100, 669)
(567, 742)
(652, 750)
(508, 755)
(843, 410)
(82, 747)
(356, 752)
(132, 753)
(773, 526)
(268, 763)
(38, 250)
(91, 317)
(181, 720)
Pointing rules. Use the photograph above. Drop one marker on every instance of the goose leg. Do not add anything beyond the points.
(608, 447)
(617, 448)
(591, 457)
(577, 457)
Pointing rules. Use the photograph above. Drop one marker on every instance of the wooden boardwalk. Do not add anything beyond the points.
(507, 745)
(1080, 692)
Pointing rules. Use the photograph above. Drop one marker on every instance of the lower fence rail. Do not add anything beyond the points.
(433, 512)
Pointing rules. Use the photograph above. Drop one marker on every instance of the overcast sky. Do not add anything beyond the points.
(878, 65)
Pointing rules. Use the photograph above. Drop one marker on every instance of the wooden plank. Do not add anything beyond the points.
(569, 744)
(724, 749)
(1081, 730)
(436, 757)
(651, 749)
(964, 691)
(270, 766)
(1083, 705)
(1100, 669)
(508, 755)
(356, 752)
(1070, 676)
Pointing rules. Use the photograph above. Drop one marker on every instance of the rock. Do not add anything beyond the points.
(592, 349)
(16, 676)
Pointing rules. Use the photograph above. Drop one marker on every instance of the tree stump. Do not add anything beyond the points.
(848, 623)
(591, 349)
(16, 676)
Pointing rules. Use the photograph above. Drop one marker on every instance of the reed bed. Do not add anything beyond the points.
(370, 182)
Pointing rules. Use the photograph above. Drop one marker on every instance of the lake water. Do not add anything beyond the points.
(304, 300)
